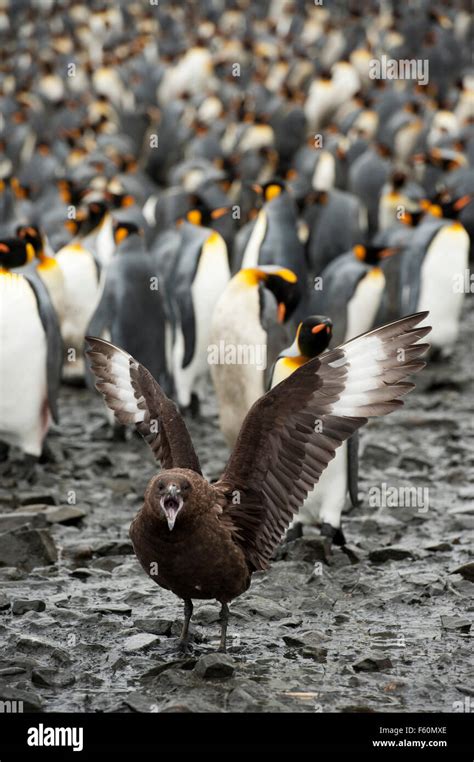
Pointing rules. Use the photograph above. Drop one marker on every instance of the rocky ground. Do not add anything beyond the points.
(382, 627)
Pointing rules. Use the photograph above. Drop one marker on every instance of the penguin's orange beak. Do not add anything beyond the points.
(462, 202)
(318, 328)
(218, 213)
(281, 312)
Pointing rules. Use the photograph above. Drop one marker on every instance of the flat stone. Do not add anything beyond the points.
(373, 664)
(33, 498)
(139, 702)
(4, 602)
(315, 653)
(155, 626)
(378, 455)
(140, 642)
(21, 606)
(113, 608)
(264, 607)
(206, 615)
(440, 547)
(114, 548)
(455, 623)
(11, 671)
(414, 463)
(42, 648)
(64, 514)
(30, 701)
(466, 571)
(390, 553)
(52, 678)
(17, 519)
(466, 493)
(214, 665)
(27, 548)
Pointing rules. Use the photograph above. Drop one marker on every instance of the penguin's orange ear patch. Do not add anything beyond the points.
(194, 216)
(71, 226)
(360, 252)
(272, 191)
(120, 235)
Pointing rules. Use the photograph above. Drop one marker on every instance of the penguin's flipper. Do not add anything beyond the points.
(184, 302)
(353, 468)
(54, 342)
(103, 317)
(104, 313)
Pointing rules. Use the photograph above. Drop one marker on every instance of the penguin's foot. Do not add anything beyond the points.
(335, 534)
(294, 532)
(27, 469)
(47, 455)
(4, 450)
(194, 407)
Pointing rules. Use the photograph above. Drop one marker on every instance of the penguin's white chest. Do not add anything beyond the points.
(362, 308)
(252, 250)
(24, 415)
(236, 325)
(211, 278)
(81, 293)
(53, 279)
(445, 261)
(324, 176)
(105, 242)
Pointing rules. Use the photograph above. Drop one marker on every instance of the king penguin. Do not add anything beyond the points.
(201, 275)
(130, 309)
(46, 266)
(82, 290)
(274, 237)
(249, 318)
(353, 290)
(433, 272)
(324, 505)
(31, 352)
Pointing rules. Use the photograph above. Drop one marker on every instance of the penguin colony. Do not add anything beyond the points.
(223, 188)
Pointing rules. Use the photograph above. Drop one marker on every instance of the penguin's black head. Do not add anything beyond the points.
(373, 255)
(398, 179)
(120, 199)
(70, 194)
(285, 288)
(79, 223)
(15, 253)
(270, 190)
(97, 210)
(31, 234)
(201, 214)
(123, 230)
(452, 208)
(412, 217)
(313, 335)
